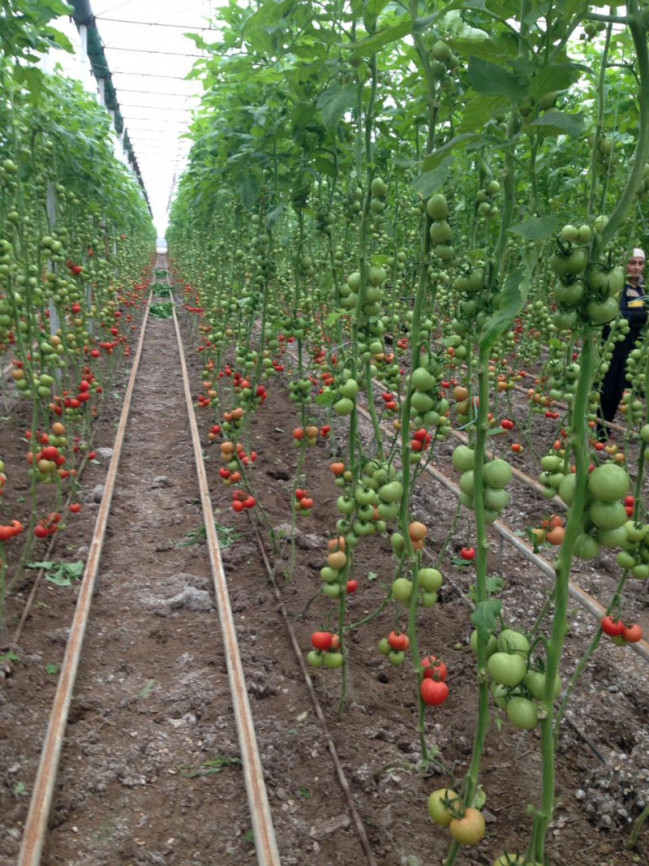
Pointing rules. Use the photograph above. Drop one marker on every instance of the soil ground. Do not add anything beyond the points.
(150, 771)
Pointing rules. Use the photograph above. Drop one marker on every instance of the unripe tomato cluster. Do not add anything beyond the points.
(465, 824)
(429, 406)
(440, 230)
(496, 476)
(485, 200)
(334, 572)
(375, 498)
(516, 686)
(429, 582)
(605, 521)
(586, 293)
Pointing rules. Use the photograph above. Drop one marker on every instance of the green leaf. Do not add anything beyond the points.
(52, 668)
(493, 80)
(510, 302)
(429, 181)
(333, 104)
(460, 141)
(63, 573)
(485, 617)
(478, 111)
(148, 688)
(537, 228)
(559, 76)
(559, 123)
(379, 40)
(327, 398)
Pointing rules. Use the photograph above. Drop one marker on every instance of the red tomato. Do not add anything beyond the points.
(75, 508)
(611, 627)
(633, 633)
(398, 640)
(468, 553)
(434, 668)
(433, 692)
(322, 640)
(352, 586)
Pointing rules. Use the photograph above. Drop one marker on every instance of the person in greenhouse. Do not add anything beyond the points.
(632, 307)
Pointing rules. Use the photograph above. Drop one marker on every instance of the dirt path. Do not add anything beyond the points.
(150, 770)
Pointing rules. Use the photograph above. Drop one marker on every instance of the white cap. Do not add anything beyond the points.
(638, 254)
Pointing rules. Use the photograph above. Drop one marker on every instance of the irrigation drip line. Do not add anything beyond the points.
(344, 784)
(263, 831)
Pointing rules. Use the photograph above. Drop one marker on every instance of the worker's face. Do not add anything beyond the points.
(635, 269)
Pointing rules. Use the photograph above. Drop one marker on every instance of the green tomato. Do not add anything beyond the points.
(314, 659)
(332, 590)
(333, 660)
(607, 515)
(612, 538)
(602, 312)
(567, 488)
(430, 579)
(402, 589)
(345, 504)
(393, 492)
(384, 646)
(496, 500)
(437, 207)
(464, 458)
(570, 295)
(438, 805)
(508, 669)
(497, 473)
(429, 599)
(421, 402)
(535, 682)
(608, 482)
(522, 713)
(492, 643)
(349, 388)
(422, 380)
(344, 406)
(513, 642)
(467, 483)
(586, 546)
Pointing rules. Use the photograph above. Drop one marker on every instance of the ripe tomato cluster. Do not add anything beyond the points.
(48, 525)
(242, 500)
(620, 633)
(305, 502)
(311, 434)
(433, 687)
(10, 530)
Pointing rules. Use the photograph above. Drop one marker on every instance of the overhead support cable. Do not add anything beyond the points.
(83, 18)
